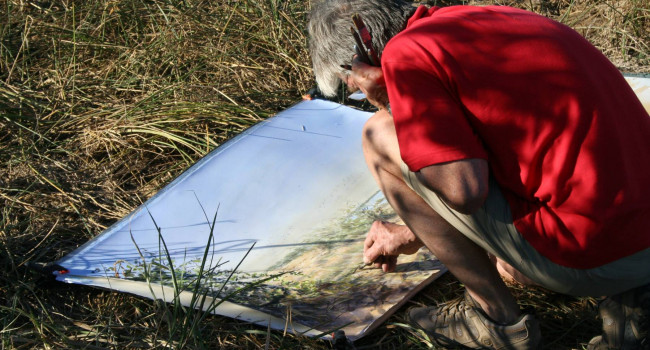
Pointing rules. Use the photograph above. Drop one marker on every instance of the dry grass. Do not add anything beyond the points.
(104, 102)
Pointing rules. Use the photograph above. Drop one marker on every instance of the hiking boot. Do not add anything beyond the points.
(462, 323)
(626, 319)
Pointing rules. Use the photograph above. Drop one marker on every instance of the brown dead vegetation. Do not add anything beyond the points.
(104, 102)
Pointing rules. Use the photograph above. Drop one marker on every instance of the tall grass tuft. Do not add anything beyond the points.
(104, 102)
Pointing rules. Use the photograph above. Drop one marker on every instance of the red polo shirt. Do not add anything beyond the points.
(565, 136)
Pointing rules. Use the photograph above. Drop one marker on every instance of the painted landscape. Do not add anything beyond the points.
(321, 283)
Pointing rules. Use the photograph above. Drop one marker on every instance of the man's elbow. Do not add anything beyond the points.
(466, 198)
(462, 184)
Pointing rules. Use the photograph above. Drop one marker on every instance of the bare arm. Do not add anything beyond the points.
(462, 184)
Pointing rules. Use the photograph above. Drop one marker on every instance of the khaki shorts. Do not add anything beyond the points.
(491, 227)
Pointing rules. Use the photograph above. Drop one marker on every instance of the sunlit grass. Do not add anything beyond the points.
(104, 102)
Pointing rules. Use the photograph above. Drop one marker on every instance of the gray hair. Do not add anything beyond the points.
(331, 43)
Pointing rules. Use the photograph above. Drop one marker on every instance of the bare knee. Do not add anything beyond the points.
(379, 142)
(376, 128)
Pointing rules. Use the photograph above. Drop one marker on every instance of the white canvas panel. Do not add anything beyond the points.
(296, 186)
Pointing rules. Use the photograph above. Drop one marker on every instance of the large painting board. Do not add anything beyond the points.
(287, 202)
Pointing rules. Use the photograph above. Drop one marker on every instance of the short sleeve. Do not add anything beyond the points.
(431, 125)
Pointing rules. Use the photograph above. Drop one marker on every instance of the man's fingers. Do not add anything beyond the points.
(358, 64)
(386, 263)
(370, 80)
(378, 262)
(370, 238)
(362, 71)
(377, 249)
(389, 263)
(372, 249)
(371, 254)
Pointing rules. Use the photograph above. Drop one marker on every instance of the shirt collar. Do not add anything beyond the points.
(421, 12)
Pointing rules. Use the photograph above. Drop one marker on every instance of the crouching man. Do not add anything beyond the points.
(507, 143)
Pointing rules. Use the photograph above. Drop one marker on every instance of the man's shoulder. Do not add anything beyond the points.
(462, 16)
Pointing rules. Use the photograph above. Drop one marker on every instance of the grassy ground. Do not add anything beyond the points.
(104, 102)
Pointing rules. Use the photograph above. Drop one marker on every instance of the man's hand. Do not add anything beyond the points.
(370, 80)
(385, 241)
